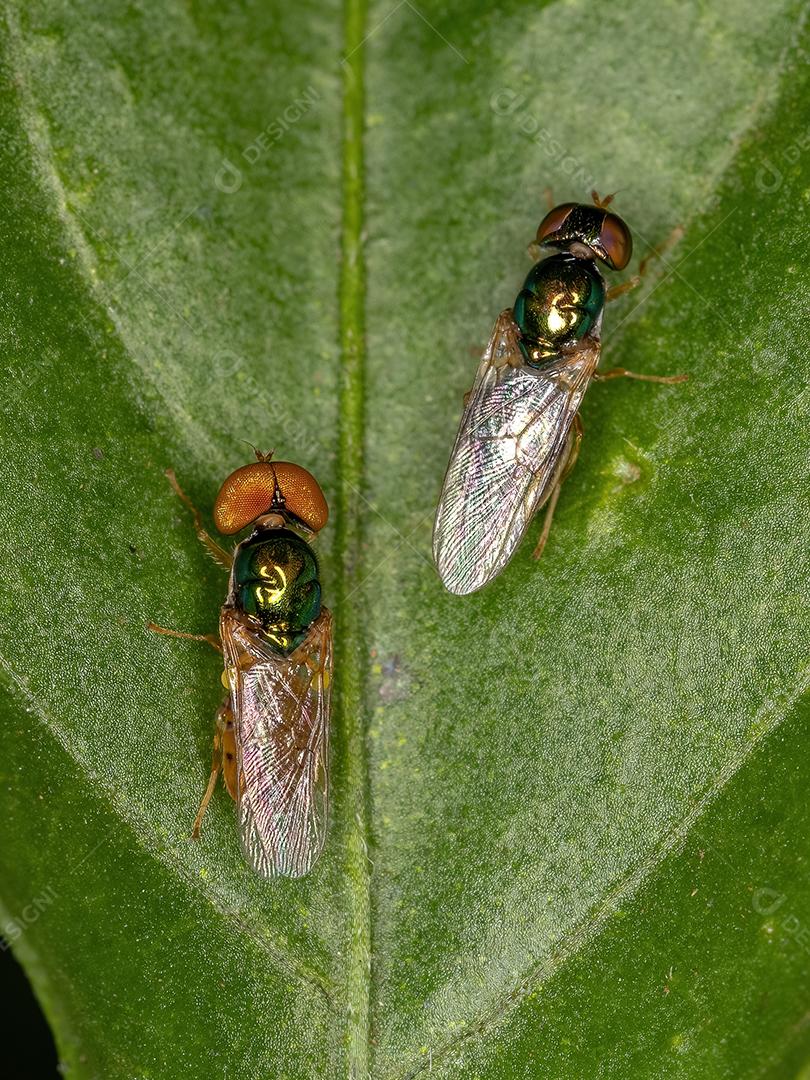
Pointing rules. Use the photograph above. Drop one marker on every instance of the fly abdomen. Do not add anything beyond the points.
(275, 579)
(560, 302)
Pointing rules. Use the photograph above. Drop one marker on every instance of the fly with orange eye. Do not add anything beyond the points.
(520, 430)
(271, 738)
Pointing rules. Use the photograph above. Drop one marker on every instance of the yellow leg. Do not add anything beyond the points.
(535, 251)
(223, 760)
(552, 505)
(211, 639)
(620, 372)
(216, 765)
(660, 249)
(575, 438)
(218, 554)
(615, 291)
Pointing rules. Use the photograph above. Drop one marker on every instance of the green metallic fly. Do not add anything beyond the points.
(520, 431)
(271, 739)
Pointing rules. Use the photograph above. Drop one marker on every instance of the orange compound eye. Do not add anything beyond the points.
(251, 491)
(616, 240)
(553, 221)
(245, 495)
(302, 494)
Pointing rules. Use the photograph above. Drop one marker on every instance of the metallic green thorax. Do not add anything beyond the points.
(275, 579)
(559, 303)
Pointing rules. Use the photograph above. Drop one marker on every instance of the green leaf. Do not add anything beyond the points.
(569, 832)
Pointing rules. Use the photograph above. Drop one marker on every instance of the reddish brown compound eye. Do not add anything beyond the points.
(553, 221)
(245, 495)
(252, 491)
(616, 240)
(302, 494)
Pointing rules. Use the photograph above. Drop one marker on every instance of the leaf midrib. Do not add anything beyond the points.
(349, 644)
(349, 638)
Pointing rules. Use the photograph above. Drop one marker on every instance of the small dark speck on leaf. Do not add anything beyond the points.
(98, 453)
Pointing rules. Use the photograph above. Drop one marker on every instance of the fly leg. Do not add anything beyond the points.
(660, 249)
(574, 440)
(216, 765)
(534, 249)
(223, 759)
(211, 639)
(224, 755)
(620, 290)
(217, 553)
(615, 291)
(620, 372)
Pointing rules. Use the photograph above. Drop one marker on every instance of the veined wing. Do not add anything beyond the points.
(508, 455)
(281, 711)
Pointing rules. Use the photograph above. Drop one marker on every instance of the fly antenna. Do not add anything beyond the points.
(259, 455)
(603, 201)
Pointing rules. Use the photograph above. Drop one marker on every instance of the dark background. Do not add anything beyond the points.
(28, 1047)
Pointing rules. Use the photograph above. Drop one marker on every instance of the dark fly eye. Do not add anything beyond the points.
(553, 221)
(616, 241)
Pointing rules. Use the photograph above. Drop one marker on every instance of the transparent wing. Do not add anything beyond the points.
(508, 455)
(281, 711)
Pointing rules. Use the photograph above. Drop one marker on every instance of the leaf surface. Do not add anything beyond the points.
(569, 815)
